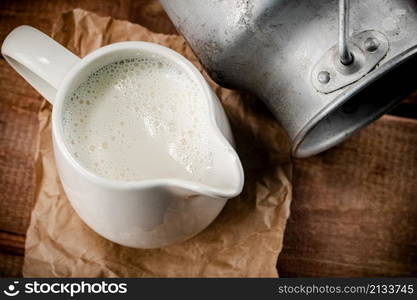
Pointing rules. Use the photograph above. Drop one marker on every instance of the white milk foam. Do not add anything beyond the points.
(140, 118)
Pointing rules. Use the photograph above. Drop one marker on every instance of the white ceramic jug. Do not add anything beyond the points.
(143, 214)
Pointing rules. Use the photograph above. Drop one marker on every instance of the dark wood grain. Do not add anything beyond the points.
(11, 254)
(12, 243)
(19, 105)
(354, 210)
(10, 265)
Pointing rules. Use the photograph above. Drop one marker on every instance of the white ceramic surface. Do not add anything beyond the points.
(143, 214)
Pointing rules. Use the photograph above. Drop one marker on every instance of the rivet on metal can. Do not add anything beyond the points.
(323, 77)
(371, 44)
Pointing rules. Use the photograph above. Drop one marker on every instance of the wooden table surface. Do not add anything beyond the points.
(319, 241)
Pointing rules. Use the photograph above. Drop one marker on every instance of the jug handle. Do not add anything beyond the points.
(39, 59)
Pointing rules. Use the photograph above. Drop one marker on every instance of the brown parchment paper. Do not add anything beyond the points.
(244, 241)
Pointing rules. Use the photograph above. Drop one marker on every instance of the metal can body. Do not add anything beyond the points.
(275, 49)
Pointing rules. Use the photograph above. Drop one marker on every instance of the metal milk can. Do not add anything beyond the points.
(325, 68)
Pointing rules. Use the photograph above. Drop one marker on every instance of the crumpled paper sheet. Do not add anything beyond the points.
(245, 239)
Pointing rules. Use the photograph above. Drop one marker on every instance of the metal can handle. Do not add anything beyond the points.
(345, 54)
